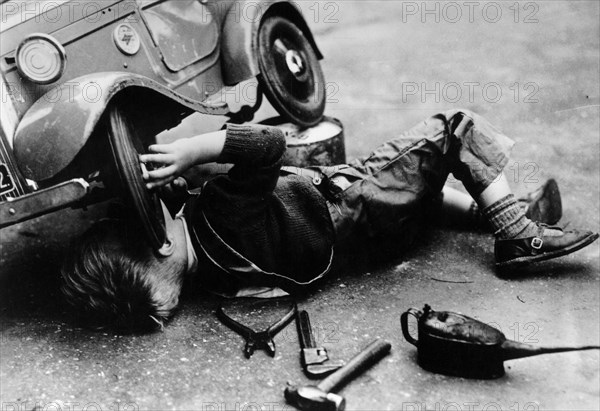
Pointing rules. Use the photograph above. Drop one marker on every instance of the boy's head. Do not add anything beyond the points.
(113, 278)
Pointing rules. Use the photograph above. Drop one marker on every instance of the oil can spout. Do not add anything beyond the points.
(513, 349)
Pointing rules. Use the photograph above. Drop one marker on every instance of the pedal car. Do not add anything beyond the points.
(88, 85)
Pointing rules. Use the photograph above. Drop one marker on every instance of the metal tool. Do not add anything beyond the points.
(315, 360)
(321, 396)
(454, 344)
(257, 340)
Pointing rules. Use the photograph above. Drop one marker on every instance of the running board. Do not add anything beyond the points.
(42, 202)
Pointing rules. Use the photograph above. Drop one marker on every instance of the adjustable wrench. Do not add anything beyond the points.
(315, 360)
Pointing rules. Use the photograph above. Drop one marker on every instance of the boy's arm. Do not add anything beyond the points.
(254, 149)
(175, 158)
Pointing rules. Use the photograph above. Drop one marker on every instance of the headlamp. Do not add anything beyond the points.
(41, 58)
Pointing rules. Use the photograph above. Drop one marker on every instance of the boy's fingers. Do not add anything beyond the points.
(156, 158)
(159, 148)
(145, 175)
(160, 183)
(162, 173)
(180, 183)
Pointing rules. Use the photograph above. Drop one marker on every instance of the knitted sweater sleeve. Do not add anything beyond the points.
(256, 152)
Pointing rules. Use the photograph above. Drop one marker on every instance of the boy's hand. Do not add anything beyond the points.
(169, 161)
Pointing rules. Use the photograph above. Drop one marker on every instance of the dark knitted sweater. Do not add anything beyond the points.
(280, 223)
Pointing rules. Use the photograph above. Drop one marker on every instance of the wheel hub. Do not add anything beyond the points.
(295, 64)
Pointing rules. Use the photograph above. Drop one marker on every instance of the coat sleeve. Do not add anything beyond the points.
(256, 152)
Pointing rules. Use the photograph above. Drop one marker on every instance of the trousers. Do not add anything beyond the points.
(385, 193)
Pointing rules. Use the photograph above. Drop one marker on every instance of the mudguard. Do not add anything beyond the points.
(239, 36)
(57, 126)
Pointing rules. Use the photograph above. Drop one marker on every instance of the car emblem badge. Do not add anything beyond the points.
(127, 39)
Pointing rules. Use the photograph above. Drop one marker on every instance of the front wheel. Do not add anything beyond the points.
(290, 73)
(126, 146)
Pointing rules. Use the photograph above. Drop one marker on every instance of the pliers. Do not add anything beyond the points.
(257, 340)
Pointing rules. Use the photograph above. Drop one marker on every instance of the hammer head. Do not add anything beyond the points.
(311, 398)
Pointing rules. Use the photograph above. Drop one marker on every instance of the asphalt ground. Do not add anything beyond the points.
(533, 70)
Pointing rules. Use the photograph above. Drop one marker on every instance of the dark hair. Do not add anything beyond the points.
(112, 278)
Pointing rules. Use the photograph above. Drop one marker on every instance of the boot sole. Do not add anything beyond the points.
(524, 261)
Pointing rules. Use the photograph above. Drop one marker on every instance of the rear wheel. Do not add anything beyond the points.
(290, 73)
(126, 146)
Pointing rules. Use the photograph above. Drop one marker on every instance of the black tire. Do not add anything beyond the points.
(290, 73)
(125, 146)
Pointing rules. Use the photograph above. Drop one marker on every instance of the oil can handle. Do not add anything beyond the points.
(404, 322)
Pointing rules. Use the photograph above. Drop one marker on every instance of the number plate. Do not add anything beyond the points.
(6, 181)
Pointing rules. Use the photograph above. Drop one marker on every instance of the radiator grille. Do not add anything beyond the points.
(12, 183)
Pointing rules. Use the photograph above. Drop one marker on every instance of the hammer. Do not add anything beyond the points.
(321, 396)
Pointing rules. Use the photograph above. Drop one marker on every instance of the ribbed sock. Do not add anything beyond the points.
(478, 220)
(507, 219)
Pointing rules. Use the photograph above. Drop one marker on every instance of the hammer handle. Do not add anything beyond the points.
(365, 359)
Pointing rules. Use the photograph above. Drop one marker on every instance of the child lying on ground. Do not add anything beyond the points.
(262, 225)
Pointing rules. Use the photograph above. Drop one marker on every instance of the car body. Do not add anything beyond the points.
(64, 64)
